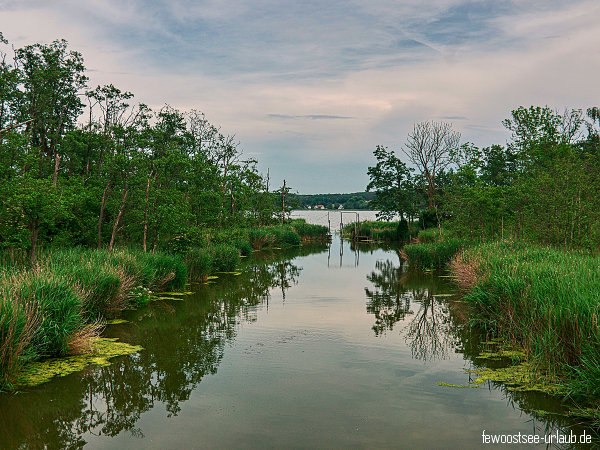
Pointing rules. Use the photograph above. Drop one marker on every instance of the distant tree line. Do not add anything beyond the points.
(90, 167)
(355, 200)
(543, 185)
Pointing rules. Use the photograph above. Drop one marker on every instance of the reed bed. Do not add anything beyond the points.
(58, 306)
(542, 299)
(431, 256)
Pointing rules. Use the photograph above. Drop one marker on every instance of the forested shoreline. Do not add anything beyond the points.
(104, 203)
(518, 226)
(91, 167)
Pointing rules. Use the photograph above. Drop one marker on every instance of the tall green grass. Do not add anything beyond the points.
(309, 231)
(434, 255)
(381, 231)
(53, 308)
(273, 236)
(543, 299)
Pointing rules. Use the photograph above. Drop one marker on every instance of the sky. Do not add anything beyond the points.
(310, 88)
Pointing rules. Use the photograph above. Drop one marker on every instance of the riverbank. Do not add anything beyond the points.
(543, 301)
(58, 307)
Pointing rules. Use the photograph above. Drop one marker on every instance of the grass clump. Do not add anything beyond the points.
(273, 236)
(381, 231)
(309, 232)
(58, 307)
(224, 258)
(431, 256)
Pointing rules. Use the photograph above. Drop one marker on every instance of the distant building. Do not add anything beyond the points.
(319, 207)
(341, 207)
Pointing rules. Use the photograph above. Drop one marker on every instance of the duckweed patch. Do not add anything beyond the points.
(103, 349)
(117, 321)
(441, 383)
(520, 377)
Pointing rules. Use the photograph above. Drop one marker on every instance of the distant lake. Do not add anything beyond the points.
(335, 216)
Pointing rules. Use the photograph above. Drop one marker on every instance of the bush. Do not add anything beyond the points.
(225, 258)
(199, 263)
(243, 246)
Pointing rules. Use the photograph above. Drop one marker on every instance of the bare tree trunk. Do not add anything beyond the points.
(56, 165)
(116, 224)
(283, 203)
(102, 208)
(146, 212)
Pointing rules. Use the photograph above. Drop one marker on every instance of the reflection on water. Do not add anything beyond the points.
(109, 400)
(396, 293)
(309, 369)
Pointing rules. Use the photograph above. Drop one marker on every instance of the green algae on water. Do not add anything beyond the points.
(117, 321)
(441, 383)
(520, 377)
(103, 349)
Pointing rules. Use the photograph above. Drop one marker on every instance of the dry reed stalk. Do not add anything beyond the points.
(82, 340)
(466, 273)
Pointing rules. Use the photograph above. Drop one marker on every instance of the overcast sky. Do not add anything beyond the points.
(309, 88)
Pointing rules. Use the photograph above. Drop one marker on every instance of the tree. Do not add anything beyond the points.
(390, 178)
(431, 147)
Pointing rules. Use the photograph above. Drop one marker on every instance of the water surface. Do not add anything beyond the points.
(323, 346)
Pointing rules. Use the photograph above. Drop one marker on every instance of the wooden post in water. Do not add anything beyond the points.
(283, 203)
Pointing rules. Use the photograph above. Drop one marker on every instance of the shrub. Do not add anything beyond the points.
(225, 258)
(199, 263)
(243, 246)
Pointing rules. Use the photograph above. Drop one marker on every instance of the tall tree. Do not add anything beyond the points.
(391, 180)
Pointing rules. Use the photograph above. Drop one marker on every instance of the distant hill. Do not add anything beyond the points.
(355, 200)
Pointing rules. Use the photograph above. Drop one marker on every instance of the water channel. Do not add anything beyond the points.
(332, 346)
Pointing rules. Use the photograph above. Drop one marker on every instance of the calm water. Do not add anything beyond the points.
(333, 218)
(321, 347)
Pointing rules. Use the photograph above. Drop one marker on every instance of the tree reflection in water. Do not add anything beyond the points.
(183, 342)
(396, 293)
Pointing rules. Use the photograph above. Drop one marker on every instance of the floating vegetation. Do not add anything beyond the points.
(117, 321)
(443, 295)
(441, 383)
(212, 277)
(156, 298)
(103, 349)
(515, 355)
(175, 293)
(521, 377)
(231, 273)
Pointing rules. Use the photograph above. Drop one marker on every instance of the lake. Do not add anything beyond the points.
(326, 346)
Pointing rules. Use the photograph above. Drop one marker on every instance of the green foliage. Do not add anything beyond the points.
(273, 236)
(391, 180)
(199, 263)
(243, 246)
(381, 231)
(434, 255)
(128, 177)
(353, 201)
(307, 230)
(225, 258)
(427, 219)
(544, 299)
